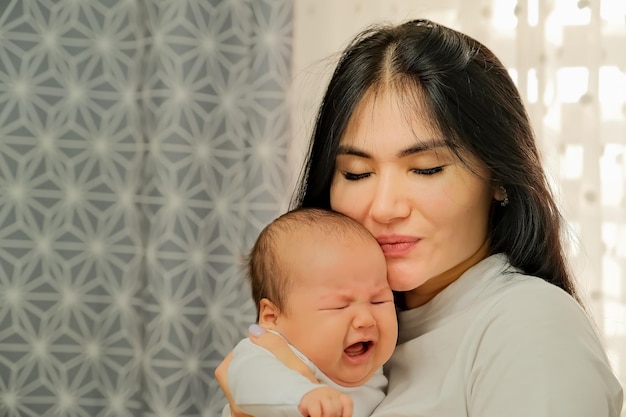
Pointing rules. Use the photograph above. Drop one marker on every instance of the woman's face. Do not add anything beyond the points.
(394, 175)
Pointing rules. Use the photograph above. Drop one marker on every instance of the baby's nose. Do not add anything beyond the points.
(363, 318)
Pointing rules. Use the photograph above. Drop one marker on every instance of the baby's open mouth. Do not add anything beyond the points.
(359, 348)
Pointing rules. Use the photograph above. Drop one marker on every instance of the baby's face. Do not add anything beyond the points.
(340, 311)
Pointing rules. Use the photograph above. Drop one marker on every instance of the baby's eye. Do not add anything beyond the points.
(355, 177)
(335, 307)
(381, 301)
(428, 171)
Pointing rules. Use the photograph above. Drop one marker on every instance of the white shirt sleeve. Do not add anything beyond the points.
(263, 386)
(541, 360)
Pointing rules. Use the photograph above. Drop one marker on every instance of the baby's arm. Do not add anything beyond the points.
(326, 402)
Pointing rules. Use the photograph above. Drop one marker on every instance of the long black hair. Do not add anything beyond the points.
(474, 103)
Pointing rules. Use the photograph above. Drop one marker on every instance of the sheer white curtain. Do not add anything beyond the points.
(569, 61)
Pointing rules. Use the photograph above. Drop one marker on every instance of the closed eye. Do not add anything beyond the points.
(429, 171)
(342, 307)
(355, 177)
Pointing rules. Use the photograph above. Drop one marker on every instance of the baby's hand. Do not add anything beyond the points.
(325, 402)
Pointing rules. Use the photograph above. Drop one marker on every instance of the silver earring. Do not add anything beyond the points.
(505, 200)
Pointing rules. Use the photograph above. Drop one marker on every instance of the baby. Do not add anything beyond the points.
(319, 279)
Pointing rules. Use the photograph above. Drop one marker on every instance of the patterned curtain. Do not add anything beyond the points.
(143, 144)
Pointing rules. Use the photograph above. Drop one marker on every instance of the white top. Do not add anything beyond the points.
(498, 343)
(262, 386)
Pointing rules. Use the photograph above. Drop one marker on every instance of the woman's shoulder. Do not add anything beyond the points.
(510, 288)
(529, 292)
(533, 334)
(527, 305)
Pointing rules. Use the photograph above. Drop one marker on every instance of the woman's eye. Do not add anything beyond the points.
(355, 177)
(429, 171)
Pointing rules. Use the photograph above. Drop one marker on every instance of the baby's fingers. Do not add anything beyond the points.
(336, 406)
(326, 402)
(347, 405)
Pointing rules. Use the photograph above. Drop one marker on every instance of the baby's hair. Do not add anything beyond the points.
(266, 271)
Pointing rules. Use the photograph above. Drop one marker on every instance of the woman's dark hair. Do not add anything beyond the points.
(471, 99)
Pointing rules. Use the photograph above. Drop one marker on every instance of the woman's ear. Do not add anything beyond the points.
(268, 314)
(501, 195)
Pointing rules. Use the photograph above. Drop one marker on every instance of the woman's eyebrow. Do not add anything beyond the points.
(420, 147)
(349, 150)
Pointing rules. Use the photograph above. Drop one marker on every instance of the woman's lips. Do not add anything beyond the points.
(396, 246)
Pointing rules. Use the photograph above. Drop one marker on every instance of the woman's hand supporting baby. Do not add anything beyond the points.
(221, 375)
(278, 346)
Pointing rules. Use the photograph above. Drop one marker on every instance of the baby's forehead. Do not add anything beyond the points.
(304, 259)
(330, 234)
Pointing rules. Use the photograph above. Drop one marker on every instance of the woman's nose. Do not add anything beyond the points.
(389, 201)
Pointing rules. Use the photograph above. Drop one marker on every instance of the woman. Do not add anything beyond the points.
(422, 137)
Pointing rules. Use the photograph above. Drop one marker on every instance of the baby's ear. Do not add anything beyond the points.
(268, 314)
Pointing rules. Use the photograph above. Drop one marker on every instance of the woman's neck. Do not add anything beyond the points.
(427, 291)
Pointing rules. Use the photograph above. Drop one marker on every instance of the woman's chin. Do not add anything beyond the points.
(402, 277)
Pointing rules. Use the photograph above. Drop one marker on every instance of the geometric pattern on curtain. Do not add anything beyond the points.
(143, 145)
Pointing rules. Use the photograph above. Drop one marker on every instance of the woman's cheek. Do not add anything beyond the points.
(337, 194)
(346, 199)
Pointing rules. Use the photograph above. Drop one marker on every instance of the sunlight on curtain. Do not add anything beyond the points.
(576, 89)
(568, 60)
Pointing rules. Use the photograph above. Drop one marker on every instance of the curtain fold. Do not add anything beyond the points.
(143, 144)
